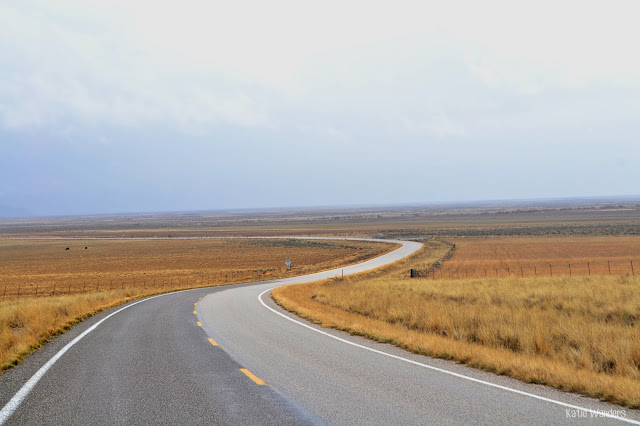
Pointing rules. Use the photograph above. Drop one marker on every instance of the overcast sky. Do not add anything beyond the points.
(132, 106)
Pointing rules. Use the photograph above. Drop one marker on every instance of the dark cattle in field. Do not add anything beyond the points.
(67, 248)
(86, 248)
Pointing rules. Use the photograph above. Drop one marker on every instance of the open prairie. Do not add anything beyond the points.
(579, 333)
(30, 268)
(46, 288)
(535, 256)
(576, 330)
(514, 218)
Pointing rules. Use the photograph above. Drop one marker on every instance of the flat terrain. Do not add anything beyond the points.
(577, 332)
(619, 216)
(572, 325)
(45, 288)
(44, 267)
(535, 256)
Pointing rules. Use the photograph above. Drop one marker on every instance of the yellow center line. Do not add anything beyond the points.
(199, 298)
(213, 342)
(199, 324)
(195, 312)
(195, 304)
(253, 377)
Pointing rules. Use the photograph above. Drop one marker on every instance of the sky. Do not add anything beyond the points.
(134, 106)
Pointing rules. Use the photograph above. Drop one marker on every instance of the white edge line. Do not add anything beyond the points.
(17, 399)
(451, 373)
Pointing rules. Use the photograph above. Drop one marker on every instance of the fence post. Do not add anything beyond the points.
(535, 270)
(569, 269)
(632, 273)
(550, 270)
(609, 266)
(5, 293)
(69, 291)
(521, 272)
(18, 292)
(37, 285)
(496, 272)
(84, 287)
(485, 272)
(98, 285)
(589, 267)
(54, 289)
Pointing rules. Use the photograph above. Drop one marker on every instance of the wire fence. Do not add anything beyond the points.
(452, 270)
(79, 285)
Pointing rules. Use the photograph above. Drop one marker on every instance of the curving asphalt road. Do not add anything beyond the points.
(167, 360)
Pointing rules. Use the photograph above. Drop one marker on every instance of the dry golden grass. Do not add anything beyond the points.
(27, 324)
(575, 333)
(531, 256)
(46, 268)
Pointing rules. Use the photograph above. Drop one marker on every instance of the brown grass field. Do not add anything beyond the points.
(535, 256)
(128, 269)
(36, 268)
(578, 333)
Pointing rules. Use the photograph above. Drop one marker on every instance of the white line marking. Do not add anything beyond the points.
(17, 399)
(595, 413)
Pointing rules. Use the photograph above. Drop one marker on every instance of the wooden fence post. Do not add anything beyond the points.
(54, 289)
(521, 272)
(632, 273)
(5, 293)
(550, 270)
(569, 269)
(535, 270)
(589, 267)
(18, 291)
(609, 266)
(37, 285)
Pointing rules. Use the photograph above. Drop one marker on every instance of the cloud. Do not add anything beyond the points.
(55, 72)
(506, 77)
(439, 125)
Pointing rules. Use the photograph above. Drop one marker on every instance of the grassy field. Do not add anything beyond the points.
(129, 269)
(578, 333)
(36, 268)
(534, 256)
